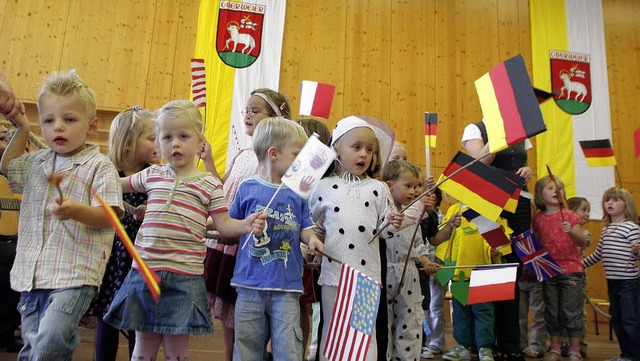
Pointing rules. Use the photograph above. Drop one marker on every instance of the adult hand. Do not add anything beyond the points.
(524, 172)
(10, 106)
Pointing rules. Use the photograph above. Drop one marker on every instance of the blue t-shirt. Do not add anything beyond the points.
(272, 261)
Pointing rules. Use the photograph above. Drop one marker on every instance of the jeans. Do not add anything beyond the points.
(436, 314)
(262, 314)
(49, 322)
(473, 324)
(625, 315)
(531, 298)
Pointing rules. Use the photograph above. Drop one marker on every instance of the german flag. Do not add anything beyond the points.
(509, 105)
(599, 152)
(430, 129)
(512, 204)
(478, 186)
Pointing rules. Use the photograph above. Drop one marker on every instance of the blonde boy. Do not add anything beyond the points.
(65, 238)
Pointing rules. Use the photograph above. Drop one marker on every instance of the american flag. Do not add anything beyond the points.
(535, 257)
(198, 82)
(354, 316)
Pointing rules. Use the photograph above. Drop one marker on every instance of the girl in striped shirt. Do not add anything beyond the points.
(618, 249)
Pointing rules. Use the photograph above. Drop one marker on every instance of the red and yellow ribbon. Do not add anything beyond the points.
(150, 277)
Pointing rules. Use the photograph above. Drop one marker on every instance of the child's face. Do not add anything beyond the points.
(146, 149)
(398, 152)
(550, 196)
(614, 207)
(65, 124)
(257, 109)
(178, 142)
(355, 150)
(583, 212)
(403, 189)
(284, 158)
(420, 186)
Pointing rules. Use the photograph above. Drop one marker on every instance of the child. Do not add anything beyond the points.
(560, 233)
(618, 249)
(533, 339)
(132, 148)
(221, 258)
(171, 240)
(64, 234)
(405, 324)
(473, 325)
(399, 151)
(268, 271)
(352, 204)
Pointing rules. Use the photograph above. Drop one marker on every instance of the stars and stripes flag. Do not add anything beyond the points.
(354, 315)
(198, 82)
(535, 257)
(430, 129)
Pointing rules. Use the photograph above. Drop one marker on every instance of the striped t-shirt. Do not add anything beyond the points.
(614, 249)
(171, 236)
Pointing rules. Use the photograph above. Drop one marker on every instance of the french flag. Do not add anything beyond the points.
(316, 99)
(492, 284)
(490, 230)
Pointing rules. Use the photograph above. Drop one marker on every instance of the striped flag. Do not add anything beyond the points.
(430, 129)
(542, 95)
(316, 98)
(535, 257)
(492, 284)
(636, 141)
(509, 105)
(478, 186)
(354, 315)
(490, 230)
(198, 82)
(598, 152)
(562, 25)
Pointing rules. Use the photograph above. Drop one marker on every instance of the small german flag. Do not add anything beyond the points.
(430, 129)
(598, 152)
(478, 186)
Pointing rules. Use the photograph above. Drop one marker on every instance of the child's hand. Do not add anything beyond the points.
(456, 221)
(204, 151)
(566, 227)
(140, 211)
(635, 248)
(524, 172)
(63, 210)
(255, 223)
(429, 183)
(316, 245)
(428, 266)
(429, 201)
(395, 218)
(495, 252)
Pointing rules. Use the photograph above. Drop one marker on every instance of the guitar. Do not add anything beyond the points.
(9, 210)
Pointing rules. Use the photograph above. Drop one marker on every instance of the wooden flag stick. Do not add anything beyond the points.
(429, 190)
(475, 266)
(617, 170)
(558, 193)
(413, 240)
(329, 257)
(267, 207)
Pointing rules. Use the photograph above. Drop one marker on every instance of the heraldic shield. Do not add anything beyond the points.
(239, 36)
(571, 80)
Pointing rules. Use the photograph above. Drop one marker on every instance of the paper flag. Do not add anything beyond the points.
(307, 169)
(316, 99)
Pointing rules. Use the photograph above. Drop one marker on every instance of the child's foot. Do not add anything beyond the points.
(485, 354)
(532, 352)
(458, 353)
(554, 355)
(574, 356)
(435, 349)
(426, 353)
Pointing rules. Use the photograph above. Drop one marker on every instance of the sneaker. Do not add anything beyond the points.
(485, 354)
(426, 353)
(564, 347)
(554, 355)
(575, 356)
(458, 353)
(435, 349)
(532, 352)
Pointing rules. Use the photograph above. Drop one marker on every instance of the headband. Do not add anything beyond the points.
(271, 104)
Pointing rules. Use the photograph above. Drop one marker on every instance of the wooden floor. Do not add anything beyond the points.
(209, 347)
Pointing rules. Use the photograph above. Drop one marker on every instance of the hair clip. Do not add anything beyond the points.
(136, 107)
(282, 106)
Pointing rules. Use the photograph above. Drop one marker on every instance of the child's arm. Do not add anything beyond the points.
(576, 233)
(89, 215)
(428, 266)
(126, 185)
(234, 228)
(18, 142)
(308, 237)
(445, 232)
(206, 155)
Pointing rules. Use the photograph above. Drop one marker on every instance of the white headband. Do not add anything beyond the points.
(271, 104)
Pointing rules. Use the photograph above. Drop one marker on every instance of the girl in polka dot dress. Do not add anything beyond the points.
(352, 203)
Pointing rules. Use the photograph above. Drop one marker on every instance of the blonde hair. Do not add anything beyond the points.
(574, 203)
(275, 99)
(180, 109)
(630, 212)
(277, 132)
(70, 84)
(125, 130)
(394, 169)
(538, 202)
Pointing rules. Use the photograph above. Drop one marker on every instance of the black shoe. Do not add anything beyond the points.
(515, 357)
(14, 346)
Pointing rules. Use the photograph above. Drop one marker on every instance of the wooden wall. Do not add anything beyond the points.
(392, 59)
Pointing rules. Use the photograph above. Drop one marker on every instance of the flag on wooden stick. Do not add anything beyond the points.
(509, 105)
(354, 315)
(490, 230)
(598, 152)
(636, 141)
(492, 284)
(307, 169)
(198, 82)
(316, 98)
(535, 257)
(430, 129)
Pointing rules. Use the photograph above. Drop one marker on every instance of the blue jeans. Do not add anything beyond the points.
(625, 315)
(473, 324)
(263, 314)
(49, 322)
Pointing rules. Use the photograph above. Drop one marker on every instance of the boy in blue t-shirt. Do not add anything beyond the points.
(268, 270)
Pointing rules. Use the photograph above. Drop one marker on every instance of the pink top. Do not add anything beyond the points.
(244, 165)
(559, 244)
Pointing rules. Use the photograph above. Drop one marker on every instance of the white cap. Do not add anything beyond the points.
(384, 134)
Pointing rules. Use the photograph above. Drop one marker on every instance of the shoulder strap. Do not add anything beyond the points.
(483, 131)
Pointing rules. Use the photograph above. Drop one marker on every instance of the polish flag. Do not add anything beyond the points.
(316, 99)
(492, 284)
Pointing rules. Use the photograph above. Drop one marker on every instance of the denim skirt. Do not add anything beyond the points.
(181, 309)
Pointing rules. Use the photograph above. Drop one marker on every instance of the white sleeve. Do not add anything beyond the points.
(471, 131)
(527, 144)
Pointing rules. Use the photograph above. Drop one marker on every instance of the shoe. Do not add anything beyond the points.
(554, 355)
(532, 352)
(485, 354)
(575, 356)
(564, 347)
(458, 353)
(514, 357)
(13, 346)
(426, 353)
(435, 349)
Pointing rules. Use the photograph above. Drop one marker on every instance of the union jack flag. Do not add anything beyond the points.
(535, 257)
